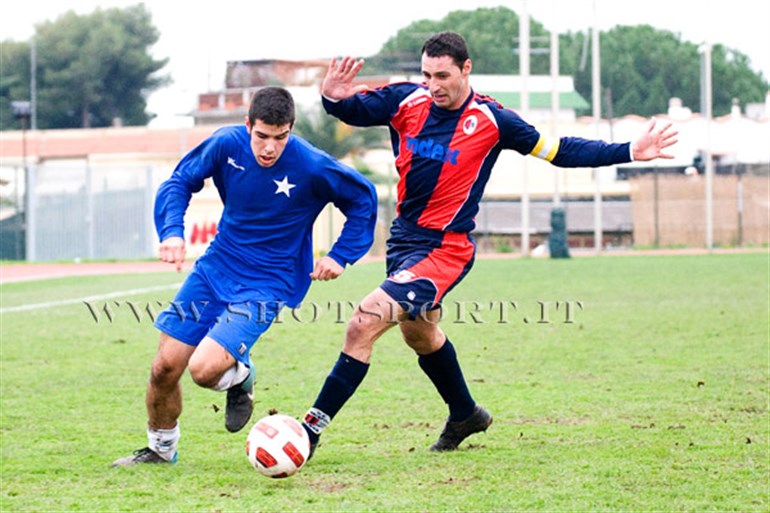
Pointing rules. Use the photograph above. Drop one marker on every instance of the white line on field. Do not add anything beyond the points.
(62, 302)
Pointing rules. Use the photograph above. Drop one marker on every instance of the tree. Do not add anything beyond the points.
(491, 34)
(338, 139)
(641, 66)
(644, 67)
(91, 69)
(14, 80)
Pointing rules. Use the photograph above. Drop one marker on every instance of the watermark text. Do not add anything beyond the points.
(341, 312)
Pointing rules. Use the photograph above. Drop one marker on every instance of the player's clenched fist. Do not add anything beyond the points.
(172, 250)
(326, 268)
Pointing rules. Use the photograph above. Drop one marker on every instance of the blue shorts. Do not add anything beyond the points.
(424, 265)
(196, 312)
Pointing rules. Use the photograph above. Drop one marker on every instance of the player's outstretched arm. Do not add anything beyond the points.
(338, 82)
(653, 141)
(173, 251)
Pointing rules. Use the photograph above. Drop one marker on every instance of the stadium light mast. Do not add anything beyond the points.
(706, 111)
(555, 105)
(524, 72)
(33, 82)
(597, 113)
(22, 111)
(558, 246)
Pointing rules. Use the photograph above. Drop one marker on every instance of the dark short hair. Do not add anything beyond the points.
(273, 106)
(447, 43)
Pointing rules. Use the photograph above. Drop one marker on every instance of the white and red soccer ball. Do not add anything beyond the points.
(277, 446)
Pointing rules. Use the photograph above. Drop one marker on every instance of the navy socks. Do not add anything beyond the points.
(339, 386)
(444, 371)
(441, 367)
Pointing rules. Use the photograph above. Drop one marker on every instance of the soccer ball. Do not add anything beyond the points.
(277, 446)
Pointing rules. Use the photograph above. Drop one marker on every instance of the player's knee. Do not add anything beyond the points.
(164, 373)
(203, 373)
(418, 344)
(360, 335)
(424, 339)
(363, 330)
(354, 330)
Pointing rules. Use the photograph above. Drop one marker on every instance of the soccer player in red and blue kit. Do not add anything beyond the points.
(445, 138)
(273, 185)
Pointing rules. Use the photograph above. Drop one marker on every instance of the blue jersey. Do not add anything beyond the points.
(444, 157)
(264, 239)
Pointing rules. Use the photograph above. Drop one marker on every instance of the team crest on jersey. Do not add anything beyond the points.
(470, 124)
(231, 162)
(403, 276)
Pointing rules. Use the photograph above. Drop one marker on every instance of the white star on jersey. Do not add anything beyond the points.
(284, 186)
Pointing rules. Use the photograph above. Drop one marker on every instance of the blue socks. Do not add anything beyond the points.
(444, 371)
(339, 386)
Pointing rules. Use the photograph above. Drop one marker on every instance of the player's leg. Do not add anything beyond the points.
(212, 366)
(377, 313)
(222, 360)
(438, 360)
(420, 282)
(182, 325)
(163, 400)
(164, 396)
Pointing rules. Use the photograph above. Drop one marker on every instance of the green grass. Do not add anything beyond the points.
(653, 398)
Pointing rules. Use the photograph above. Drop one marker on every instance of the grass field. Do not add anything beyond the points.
(650, 394)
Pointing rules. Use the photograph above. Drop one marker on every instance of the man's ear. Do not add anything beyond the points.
(467, 66)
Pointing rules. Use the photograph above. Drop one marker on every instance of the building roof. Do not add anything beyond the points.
(539, 99)
(39, 145)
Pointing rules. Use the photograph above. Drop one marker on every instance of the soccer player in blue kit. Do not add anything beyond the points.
(273, 185)
(445, 138)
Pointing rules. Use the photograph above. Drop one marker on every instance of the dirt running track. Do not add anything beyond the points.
(25, 272)
(13, 273)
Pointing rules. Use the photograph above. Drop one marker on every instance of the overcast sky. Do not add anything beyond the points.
(200, 37)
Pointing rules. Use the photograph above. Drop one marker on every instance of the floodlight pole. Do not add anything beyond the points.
(706, 111)
(555, 105)
(23, 112)
(597, 113)
(33, 83)
(524, 72)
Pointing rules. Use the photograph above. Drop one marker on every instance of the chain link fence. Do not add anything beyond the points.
(84, 211)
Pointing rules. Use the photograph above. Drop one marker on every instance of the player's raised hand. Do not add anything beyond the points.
(338, 82)
(173, 251)
(326, 268)
(650, 144)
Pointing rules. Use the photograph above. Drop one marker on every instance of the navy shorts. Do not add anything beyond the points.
(424, 265)
(196, 312)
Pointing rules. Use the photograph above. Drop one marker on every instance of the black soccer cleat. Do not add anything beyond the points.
(240, 404)
(312, 451)
(455, 432)
(145, 455)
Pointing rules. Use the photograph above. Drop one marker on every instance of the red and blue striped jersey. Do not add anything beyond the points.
(444, 157)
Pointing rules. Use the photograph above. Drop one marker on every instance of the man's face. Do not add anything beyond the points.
(267, 141)
(447, 83)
